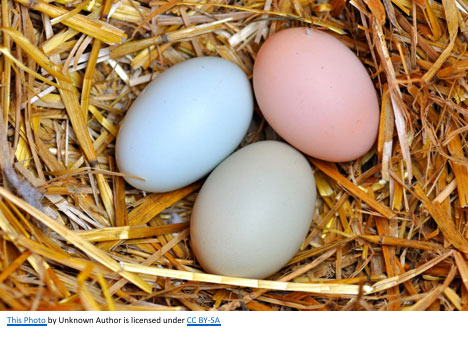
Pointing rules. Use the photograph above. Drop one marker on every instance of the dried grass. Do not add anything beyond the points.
(390, 232)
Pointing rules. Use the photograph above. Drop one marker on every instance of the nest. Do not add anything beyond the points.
(389, 231)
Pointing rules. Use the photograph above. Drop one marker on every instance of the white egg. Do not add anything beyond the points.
(184, 123)
(254, 211)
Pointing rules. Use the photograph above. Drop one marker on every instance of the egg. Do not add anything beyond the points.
(254, 210)
(184, 123)
(316, 94)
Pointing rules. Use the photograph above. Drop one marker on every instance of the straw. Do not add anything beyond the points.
(390, 228)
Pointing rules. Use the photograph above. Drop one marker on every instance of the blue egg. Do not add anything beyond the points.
(184, 123)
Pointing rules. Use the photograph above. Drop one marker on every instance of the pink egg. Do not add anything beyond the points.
(316, 94)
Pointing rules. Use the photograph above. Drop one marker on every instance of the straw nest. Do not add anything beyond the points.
(390, 228)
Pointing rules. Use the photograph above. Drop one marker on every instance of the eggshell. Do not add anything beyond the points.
(254, 211)
(184, 123)
(316, 94)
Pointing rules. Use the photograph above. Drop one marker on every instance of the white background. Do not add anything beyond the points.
(250, 324)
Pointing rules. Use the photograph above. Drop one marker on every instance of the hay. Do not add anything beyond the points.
(390, 229)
